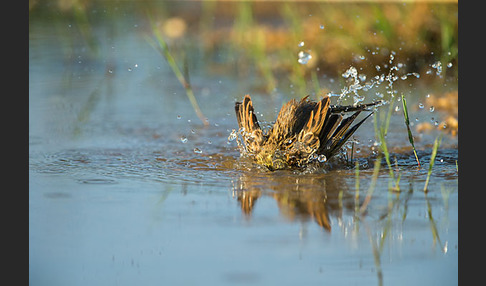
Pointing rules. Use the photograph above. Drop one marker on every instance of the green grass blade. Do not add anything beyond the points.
(384, 148)
(437, 142)
(407, 123)
(161, 46)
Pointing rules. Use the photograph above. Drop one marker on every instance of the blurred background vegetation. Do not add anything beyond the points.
(267, 36)
(264, 39)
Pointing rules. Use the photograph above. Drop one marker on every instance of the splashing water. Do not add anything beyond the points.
(352, 72)
(358, 81)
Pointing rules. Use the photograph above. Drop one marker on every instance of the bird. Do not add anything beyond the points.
(304, 132)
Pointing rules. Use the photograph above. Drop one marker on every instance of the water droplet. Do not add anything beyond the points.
(350, 72)
(301, 44)
(321, 27)
(432, 108)
(378, 68)
(322, 158)
(304, 57)
(232, 135)
(421, 105)
(179, 117)
(197, 150)
(183, 139)
(436, 123)
(129, 69)
(449, 65)
(438, 66)
(397, 108)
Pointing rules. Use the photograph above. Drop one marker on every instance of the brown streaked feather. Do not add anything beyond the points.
(336, 136)
(345, 123)
(312, 129)
(317, 117)
(350, 108)
(330, 126)
(247, 119)
(245, 115)
(339, 143)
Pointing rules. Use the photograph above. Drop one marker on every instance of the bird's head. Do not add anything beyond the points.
(273, 160)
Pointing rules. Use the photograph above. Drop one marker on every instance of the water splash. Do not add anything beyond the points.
(354, 87)
(358, 82)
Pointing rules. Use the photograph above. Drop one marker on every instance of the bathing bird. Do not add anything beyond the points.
(305, 131)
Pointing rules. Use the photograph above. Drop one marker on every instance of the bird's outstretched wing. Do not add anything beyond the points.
(245, 115)
(248, 124)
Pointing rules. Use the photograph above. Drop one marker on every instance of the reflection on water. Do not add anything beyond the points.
(298, 197)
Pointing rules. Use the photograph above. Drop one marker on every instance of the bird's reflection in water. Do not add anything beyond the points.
(299, 197)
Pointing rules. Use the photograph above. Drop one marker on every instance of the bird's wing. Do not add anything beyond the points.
(342, 134)
(247, 120)
(245, 115)
(312, 129)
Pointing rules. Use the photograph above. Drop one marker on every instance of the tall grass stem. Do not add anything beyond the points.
(437, 142)
(407, 123)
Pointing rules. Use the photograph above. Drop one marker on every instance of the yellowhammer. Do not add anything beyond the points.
(304, 131)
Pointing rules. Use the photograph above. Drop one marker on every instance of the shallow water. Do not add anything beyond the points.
(127, 186)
